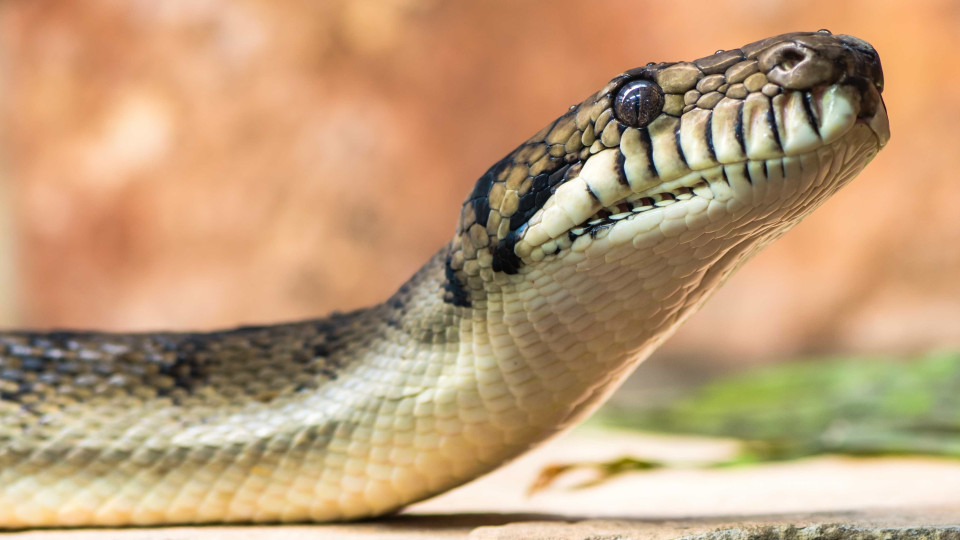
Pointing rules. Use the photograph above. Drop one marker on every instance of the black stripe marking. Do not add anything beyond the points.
(676, 138)
(621, 169)
(455, 293)
(572, 170)
(542, 187)
(772, 121)
(481, 190)
(709, 137)
(593, 195)
(746, 173)
(481, 209)
(557, 177)
(478, 198)
(505, 259)
(811, 118)
(723, 171)
(738, 129)
(648, 145)
(483, 185)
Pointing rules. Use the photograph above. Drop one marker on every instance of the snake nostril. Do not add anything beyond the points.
(790, 57)
(863, 60)
(797, 66)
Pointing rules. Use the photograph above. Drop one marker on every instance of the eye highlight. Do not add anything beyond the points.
(638, 102)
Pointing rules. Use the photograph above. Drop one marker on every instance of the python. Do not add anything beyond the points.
(574, 257)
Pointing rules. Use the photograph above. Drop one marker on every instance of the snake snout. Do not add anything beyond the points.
(815, 63)
(865, 62)
(798, 66)
(811, 60)
(865, 73)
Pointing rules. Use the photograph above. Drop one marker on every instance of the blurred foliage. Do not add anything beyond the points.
(602, 470)
(847, 406)
(860, 407)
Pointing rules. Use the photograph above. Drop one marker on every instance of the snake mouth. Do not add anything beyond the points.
(721, 183)
(749, 182)
(753, 182)
(636, 204)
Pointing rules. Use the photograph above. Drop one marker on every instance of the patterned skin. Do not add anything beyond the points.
(574, 257)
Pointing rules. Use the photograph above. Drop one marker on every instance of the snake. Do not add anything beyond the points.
(573, 258)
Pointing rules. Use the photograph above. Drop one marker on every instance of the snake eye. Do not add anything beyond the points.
(638, 102)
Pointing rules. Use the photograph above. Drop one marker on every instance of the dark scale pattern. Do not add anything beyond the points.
(76, 398)
(42, 372)
(45, 372)
(514, 189)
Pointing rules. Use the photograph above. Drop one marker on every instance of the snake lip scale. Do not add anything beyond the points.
(573, 258)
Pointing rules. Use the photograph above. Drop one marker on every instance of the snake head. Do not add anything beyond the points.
(726, 151)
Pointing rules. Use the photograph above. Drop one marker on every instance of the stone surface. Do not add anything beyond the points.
(823, 498)
(800, 527)
(858, 526)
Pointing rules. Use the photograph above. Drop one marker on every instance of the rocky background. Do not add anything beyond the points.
(204, 163)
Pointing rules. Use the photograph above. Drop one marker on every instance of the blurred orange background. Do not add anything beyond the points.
(193, 164)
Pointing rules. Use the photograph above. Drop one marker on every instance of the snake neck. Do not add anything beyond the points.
(544, 346)
(537, 351)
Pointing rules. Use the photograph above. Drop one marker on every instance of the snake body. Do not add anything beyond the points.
(574, 257)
